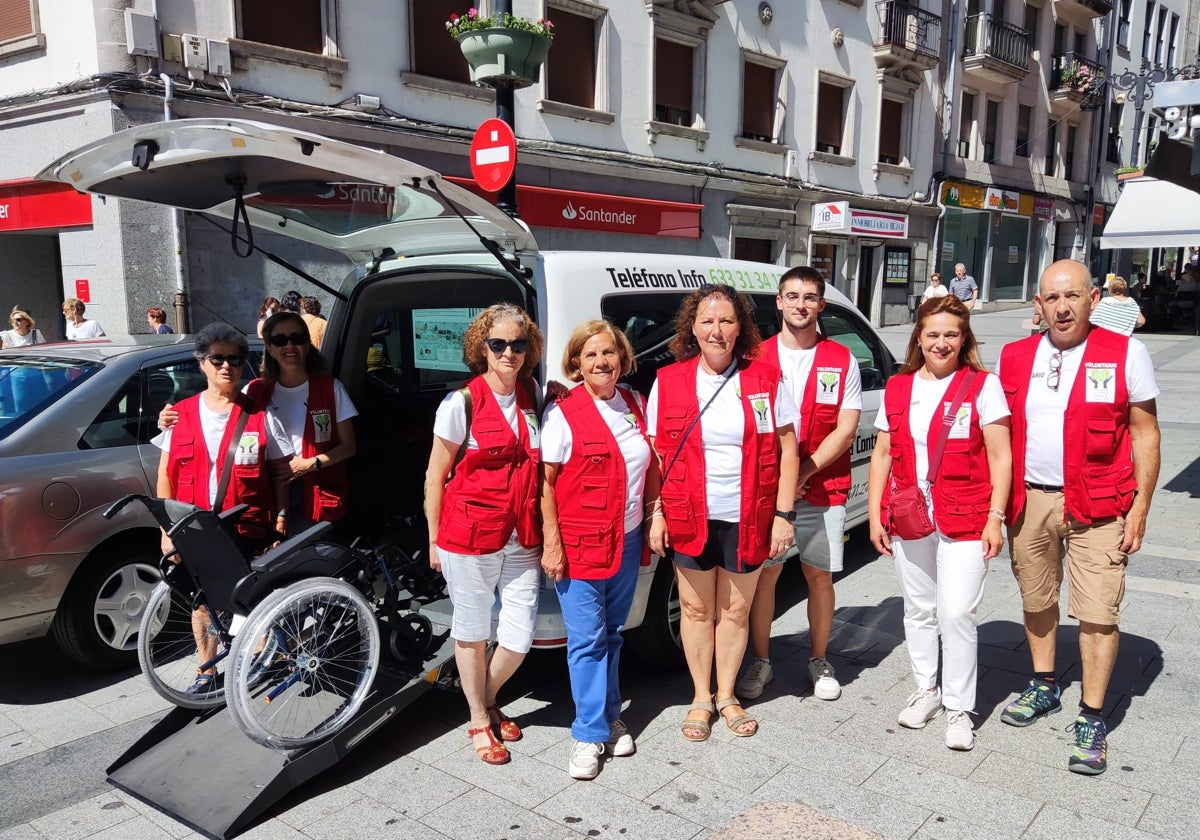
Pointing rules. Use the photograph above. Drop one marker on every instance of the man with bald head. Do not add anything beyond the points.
(1085, 503)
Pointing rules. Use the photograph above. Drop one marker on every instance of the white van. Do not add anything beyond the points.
(427, 256)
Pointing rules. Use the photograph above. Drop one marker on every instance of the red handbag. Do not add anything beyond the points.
(908, 510)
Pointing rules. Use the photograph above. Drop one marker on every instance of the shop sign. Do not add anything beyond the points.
(947, 252)
(1014, 254)
(1043, 207)
(1002, 200)
(35, 205)
(546, 207)
(831, 217)
(873, 223)
(83, 290)
(1098, 215)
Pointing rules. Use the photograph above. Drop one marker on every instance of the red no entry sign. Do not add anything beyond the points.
(493, 154)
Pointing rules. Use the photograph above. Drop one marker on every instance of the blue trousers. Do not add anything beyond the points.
(594, 612)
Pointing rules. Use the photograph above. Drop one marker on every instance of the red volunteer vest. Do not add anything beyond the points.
(494, 488)
(684, 494)
(324, 490)
(1098, 479)
(591, 488)
(831, 485)
(962, 488)
(188, 464)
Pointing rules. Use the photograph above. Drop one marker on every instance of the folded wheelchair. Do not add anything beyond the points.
(291, 640)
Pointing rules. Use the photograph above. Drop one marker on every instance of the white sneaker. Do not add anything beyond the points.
(960, 735)
(755, 679)
(585, 760)
(825, 684)
(920, 708)
(620, 742)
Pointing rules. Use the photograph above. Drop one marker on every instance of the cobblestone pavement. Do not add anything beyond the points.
(816, 769)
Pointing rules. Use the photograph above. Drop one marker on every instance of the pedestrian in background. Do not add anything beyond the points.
(269, 307)
(1087, 503)
(723, 425)
(1117, 312)
(24, 331)
(482, 511)
(290, 302)
(311, 313)
(960, 461)
(156, 317)
(600, 482)
(963, 286)
(78, 327)
(935, 289)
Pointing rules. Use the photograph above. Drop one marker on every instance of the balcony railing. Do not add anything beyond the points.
(989, 36)
(906, 26)
(1072, 72)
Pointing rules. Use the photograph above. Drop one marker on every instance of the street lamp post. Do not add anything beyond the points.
(505, 110)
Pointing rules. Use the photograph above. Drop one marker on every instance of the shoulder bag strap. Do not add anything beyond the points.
(468, 409)
(692, 425)
(935, 457)
(227, 462)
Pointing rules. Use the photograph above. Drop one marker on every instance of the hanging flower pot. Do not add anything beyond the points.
(511, 55)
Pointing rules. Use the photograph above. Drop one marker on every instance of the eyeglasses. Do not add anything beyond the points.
(217, 360)
(1055, 371)
(296, 339)
(794, 298)
(499, 345)
(20, 320)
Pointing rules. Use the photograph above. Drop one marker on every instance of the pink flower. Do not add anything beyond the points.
(472, 13)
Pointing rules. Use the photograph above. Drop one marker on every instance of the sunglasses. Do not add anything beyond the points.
(217, 360)
(296, 339)
(499, 345)
(20, 320)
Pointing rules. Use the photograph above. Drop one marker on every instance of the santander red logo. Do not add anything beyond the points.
(569, 213)
(620, 218)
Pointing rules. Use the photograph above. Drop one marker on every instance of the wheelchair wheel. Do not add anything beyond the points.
(303, 663)
(168, 654)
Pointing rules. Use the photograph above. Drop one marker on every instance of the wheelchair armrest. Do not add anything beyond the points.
(233, 514)
(276, 559)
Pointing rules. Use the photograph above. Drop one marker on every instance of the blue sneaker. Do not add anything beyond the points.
(1091, 745)
(1038, 700)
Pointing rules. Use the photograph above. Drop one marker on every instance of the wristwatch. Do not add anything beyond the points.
(789, 515)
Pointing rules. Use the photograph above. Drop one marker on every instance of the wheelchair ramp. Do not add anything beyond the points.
(199, 768)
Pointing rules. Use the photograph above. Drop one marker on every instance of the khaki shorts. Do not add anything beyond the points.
(1040, 540)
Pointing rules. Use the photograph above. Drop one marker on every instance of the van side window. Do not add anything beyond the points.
(649, 322)
(874, 362)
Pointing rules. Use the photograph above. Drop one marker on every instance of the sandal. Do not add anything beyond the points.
(202, 684)
(495, 752)
(503, 724)
(737, 721)
(698, 730)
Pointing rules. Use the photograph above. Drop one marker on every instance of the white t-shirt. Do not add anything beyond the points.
(797, 366)
(930, 398)
(212, 425)
(12, 338)
(450, 422)
(557, 442)
(288, 409)
(1045, 410)
(722, 428)
(87, 329)
(932, 291)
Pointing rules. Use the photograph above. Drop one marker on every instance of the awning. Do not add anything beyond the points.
(1153, 214)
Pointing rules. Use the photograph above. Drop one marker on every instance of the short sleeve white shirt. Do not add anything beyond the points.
(450, 422)
(557, 442)
(932, 291)
(287, 413)
(722, 428)
(88, 329)
(929, 399)
(797, 366)
(1045, 410)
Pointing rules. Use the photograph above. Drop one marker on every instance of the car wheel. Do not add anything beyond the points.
(656, 641)
(101, 612)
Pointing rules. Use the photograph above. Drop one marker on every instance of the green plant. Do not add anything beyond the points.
(1125, 170)
(459, 25)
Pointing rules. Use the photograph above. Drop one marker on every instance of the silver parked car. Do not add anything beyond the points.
(76, 421)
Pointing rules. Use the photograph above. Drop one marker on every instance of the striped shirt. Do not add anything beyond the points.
(1120, 316)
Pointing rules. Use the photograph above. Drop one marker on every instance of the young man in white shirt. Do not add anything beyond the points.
(823, 378)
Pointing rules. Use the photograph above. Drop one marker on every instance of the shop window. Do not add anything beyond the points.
(301, 28)
(991, 129)
(754, 250)
(570, 71)
(1069, 154)
(1050, 164)
(19, 27)
(833, 97)
(897, 266)
(966, 124)
(679, 59)
(761, 101)
(1123, 23)
(434, 53)
(891, 131)
(1024, 121)
(825, 259)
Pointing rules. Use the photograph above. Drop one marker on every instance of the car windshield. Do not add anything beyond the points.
(29, 383)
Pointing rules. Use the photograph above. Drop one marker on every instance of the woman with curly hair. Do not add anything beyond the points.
(723, 426)
(481, 503)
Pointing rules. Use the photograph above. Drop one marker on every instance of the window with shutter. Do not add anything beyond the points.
(301, 28)
(571, 64)
(758, 101)
(831, 101)
(435, 53)
(672, 82)
(891, 125)
(19, 30)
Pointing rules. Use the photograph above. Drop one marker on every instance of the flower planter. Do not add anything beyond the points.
(1125, 176)
(510, 55)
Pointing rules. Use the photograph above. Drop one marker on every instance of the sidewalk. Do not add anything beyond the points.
(848, 761)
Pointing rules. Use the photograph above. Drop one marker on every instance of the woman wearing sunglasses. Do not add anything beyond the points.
(724, 429)
(215, 457)
(24, 331)
(481, 503)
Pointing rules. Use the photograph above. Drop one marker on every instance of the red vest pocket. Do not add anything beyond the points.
(330, 507)
(1101, 439)
(680, 513)
(589, 549)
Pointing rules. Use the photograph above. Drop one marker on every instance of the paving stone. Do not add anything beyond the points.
(168, 825)
(138, 828)
(876, 811)
(270, 830)
(806, 713)
(369, 819)
(17, 745)
(309, 805)
(702, 800)
(410, 787)
(1172, 818)
(85, 818)
(587, 808)
(59, 721)
(29, 690)
(133, 707)
(638, 775)
(24, 831)
(1001, 811)
(7, 727)
(719, 758)
(831, 756)
(98, 689)
(945, 827)
(1055, 823)
(525, 781)
(790, 821)
(1107, 800)
(478, 814)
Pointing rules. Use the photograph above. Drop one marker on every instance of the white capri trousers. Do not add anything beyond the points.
(473, 581)
(942, 582)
